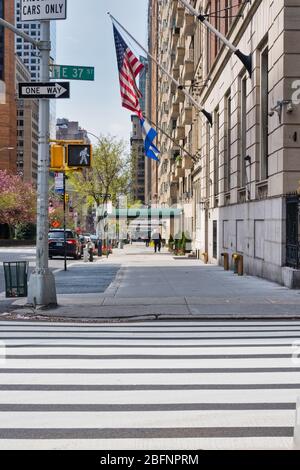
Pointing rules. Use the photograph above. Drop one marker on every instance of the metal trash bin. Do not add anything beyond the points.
(16, 275)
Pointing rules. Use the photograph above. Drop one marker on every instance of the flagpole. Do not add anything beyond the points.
(180, 87)
(245, 59)
(171, 138)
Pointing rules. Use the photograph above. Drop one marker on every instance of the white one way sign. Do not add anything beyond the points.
(44, 90)
(33, 10)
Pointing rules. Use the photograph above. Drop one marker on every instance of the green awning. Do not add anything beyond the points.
(133, 213)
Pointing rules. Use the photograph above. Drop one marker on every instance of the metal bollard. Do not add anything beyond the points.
(226, 261)
(205, 257)
(238, 260)
(85, 255)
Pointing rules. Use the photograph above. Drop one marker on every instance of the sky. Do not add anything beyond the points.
(86, 38)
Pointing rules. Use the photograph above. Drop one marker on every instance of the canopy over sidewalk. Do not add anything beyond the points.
(133, 213)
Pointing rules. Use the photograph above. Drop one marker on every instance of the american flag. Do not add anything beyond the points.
(129, 68)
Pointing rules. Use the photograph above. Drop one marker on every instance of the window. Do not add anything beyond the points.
(208, 45)
(207, 160)
(264, 94)
(216, 152)
(227, 143)
(2, 42)
(228, 14)
(215, 238)
(243, 131)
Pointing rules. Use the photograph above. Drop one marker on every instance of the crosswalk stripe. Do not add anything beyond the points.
(238, 443)
(191, 385)
(151, 378)
(149, 396)
(149, 433)
(145, 419)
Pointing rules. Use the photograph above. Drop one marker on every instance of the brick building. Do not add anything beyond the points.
(8, 108)
(27, 130)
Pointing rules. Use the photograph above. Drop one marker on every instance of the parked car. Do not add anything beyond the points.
(56, 243)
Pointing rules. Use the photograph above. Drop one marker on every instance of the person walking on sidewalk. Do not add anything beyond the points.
(90, 248)
(156, 237)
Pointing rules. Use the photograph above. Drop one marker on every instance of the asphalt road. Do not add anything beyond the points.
(80, 278)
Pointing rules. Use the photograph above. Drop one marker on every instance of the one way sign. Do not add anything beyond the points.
(44, 90)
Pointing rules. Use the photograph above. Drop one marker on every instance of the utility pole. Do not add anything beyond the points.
(41, 289)
(65, 236)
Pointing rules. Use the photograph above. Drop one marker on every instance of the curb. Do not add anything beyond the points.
(44, 316)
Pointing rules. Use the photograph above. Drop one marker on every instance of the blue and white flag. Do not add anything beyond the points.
(149, 134)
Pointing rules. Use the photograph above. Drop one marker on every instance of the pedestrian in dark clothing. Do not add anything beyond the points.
(156, 237)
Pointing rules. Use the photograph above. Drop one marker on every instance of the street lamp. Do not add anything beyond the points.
(6, 148)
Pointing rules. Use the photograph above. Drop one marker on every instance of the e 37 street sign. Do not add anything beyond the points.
(43, 10)
(36, 90)
(72, 72)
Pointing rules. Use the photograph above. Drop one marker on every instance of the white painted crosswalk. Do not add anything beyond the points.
(151, 385)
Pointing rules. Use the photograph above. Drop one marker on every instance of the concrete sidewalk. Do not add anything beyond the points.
(163, 286)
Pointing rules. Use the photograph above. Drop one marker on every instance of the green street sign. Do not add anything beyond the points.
(72, 72)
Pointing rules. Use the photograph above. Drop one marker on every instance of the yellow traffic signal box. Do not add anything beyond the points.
(57, 157)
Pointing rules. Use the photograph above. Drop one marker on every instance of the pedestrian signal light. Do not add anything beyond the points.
(67, 198)
(57, 157)
(79, 155)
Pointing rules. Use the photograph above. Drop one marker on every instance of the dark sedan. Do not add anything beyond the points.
(56, 244)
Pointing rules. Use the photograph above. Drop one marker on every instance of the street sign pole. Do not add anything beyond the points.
(65, 236)
(41, 289)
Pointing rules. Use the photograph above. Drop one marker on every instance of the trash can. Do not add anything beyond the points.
(16, 275)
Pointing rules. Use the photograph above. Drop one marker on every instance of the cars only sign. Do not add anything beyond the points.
(43, 10)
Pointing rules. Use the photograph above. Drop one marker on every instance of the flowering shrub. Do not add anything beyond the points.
(17, 200)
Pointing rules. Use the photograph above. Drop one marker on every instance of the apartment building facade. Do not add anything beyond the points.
(175, 114)
(151, 176)
(8, 109)
(27, 130)
(243, 186)
(250, 168)
(31, 57)
(70, 130)
(137, 161)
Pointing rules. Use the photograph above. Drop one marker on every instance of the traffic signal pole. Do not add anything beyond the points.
(65, 236)
(41, 290)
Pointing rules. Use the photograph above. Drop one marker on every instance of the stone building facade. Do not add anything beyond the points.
(70, 130)
(137, 161)
(241, 194)
(151, 179)
(249, 157)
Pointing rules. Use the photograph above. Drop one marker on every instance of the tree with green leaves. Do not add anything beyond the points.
(108, 177)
